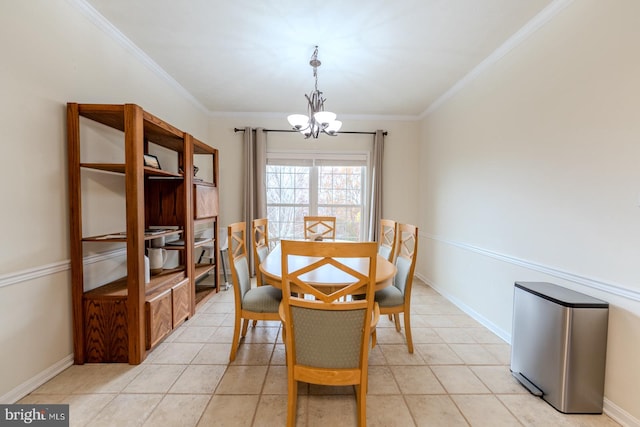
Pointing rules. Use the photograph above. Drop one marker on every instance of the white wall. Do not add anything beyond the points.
(400, 161)
(53, 54)
(532, 173)
(56, 52)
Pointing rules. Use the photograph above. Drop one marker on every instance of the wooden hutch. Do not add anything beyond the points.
(121, 320)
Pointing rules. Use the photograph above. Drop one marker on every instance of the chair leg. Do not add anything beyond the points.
(361, 399)
(255, 322)
(391, 317)
(292, 400)
(236, 339)
(245, 325)
(396, 318)
(374, 338)
(224, 268)
(407, 330)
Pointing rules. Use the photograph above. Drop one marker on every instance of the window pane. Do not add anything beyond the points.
(338, 192)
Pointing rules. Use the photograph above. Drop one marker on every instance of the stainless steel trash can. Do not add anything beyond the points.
(559, 344)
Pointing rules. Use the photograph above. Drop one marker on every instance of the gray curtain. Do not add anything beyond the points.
(255, 205)
(375, 214)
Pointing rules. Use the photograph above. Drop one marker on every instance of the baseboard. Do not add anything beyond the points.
(506, 337)
(609, 408)
(619, 415)
(33, 383)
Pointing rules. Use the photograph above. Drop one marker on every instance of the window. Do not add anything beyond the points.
(316, 184)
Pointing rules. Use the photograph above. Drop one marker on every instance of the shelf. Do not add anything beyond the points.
(197, 181)
(119, 168)
(203, 269)
(118, 288)
(180, 244)
(121, 237)
(200, 147)
(155, 130)
(203, 243)
(203, 293)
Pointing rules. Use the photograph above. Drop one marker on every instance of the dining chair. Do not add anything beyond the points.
(396, 299)
(260, 244)
(319, 227)
(387, 240)
(327, 337)
(259, 303)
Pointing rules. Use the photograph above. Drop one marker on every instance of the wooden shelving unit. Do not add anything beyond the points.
(205, 212)
(121, 320)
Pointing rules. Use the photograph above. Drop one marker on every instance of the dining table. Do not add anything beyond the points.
(326, 278)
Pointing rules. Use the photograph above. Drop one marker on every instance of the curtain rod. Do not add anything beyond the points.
(292, 130)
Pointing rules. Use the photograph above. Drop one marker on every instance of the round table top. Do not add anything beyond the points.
(325, 276)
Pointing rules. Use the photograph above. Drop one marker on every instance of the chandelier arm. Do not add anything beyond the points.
(315, 104)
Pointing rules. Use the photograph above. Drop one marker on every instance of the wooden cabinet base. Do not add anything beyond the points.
(180, 298)
(158, 318)
(106, 330)
(106, 334)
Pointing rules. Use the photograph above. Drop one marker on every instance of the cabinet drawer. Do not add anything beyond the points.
(205, 201)
(158, 318)
(180, 298)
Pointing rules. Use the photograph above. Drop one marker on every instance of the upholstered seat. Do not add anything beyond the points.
(396, 299)
(389, 297)
(265, 299)
(260, 303)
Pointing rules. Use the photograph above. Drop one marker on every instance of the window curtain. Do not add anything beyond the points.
(375, 213)
(255, 205)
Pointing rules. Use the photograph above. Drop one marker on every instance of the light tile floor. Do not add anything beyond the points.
(458, 376)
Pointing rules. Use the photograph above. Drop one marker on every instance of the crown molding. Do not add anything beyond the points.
(537, 22)
(107, 27)
(281, 115)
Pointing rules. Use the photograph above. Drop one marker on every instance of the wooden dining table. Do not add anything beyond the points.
(325, 277)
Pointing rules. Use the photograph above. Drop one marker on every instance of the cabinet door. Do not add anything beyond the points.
(164, 204)
(205, 200)
(158, 318)
(106, 338)
(180, 298)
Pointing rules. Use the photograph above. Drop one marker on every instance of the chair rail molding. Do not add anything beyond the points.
(56, 267)
(611, 288)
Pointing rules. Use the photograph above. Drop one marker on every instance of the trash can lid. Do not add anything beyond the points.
(563, 296)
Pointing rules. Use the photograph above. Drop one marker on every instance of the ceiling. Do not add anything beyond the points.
(379, 57)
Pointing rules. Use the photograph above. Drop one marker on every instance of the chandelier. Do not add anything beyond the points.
(317, 120)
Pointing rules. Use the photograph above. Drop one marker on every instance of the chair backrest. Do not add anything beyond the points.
(238, 260)
(387, 241)
(260, 244)
(320, 226)
(328, 338)
(406, 254)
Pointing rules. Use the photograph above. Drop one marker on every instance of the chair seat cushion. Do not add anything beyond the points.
(389, 297)
(263, 299)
